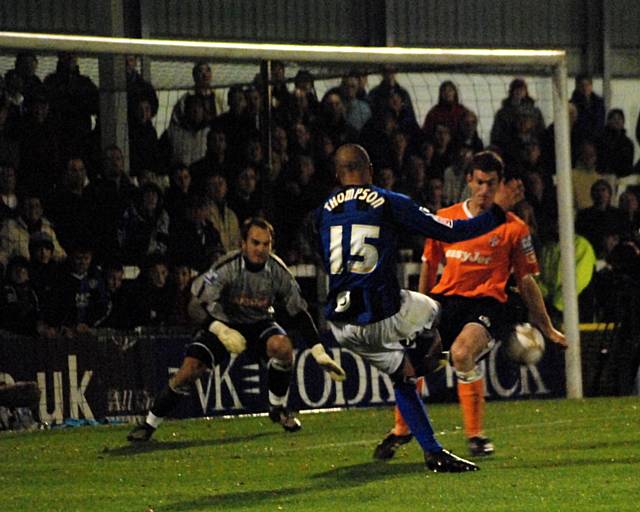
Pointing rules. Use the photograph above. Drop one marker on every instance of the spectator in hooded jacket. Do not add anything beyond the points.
(120, 298)
(138, 87)
(177, 195)
(26, 65)
(74, 100)
(615, 149)
(186, 140)
(144, 228)
(590, 107)
(79, 300)
(449, 111)
(110, 195)
(380, 94)
(202, 89)
(43, 270)
(193, 240)
(69, 206)
(41, 147)
(144, 148)
(153, 293)
(517, 102)
(19, 304)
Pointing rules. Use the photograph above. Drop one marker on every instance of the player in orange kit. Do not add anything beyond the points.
(472, 291)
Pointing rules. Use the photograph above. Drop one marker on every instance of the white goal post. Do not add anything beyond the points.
(553, 62)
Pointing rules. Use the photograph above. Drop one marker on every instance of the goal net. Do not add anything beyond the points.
(481, 92)
(482, 79)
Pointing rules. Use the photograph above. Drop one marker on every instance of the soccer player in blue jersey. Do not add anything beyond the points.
(367, 312)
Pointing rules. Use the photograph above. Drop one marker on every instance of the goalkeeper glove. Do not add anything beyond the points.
(329, 365)
(232, 340)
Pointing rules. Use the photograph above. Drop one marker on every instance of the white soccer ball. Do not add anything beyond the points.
(526, 344)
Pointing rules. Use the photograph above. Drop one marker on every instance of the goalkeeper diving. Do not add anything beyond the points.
(236, 300)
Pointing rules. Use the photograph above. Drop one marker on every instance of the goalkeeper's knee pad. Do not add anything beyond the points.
(179, 389)
(280, 365)
(207, 348)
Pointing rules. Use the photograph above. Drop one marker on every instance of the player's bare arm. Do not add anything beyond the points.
(532, 296)
(424, 281)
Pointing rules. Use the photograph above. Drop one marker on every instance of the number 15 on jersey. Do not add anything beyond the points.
(362, 257)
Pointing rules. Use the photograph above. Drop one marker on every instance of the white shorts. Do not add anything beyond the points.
(382, 344)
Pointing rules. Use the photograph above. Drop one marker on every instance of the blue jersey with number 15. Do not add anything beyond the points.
(358, 228)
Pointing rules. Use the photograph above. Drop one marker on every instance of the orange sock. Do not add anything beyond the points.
(471, 397)
(401, 428)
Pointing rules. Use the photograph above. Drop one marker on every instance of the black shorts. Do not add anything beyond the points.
(459, 311)
(206, 347)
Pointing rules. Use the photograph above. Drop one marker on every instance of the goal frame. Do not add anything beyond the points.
(553, 62)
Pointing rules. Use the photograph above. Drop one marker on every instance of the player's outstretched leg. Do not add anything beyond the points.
(278, 379)
(165, 401)
(386, 449)
(437, 459)
(434, 361)
(446, 462)
(163, 404)
(395, 438)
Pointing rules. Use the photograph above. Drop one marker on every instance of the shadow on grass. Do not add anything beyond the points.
(334, 479)
(236, 500)
(592, 445)
(158, 446)
(367, 471)
(572, 462)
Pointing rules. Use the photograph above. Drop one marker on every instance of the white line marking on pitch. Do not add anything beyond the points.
(445, 433)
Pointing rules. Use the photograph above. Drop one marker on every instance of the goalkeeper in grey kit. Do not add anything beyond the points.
(235, 299)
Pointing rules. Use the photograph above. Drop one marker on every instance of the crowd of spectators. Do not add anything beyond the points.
(72, 220)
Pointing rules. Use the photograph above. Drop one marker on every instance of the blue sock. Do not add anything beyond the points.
(416, 417)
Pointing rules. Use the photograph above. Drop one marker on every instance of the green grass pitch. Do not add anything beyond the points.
(575, 455)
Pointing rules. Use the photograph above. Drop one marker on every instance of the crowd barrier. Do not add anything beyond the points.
(113, 376)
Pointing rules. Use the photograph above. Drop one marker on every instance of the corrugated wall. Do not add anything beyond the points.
(54, 16)
(625, 23)
(501, 23)
(305, 21)
(484, 23)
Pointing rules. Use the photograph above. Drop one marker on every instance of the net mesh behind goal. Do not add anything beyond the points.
(480, 92)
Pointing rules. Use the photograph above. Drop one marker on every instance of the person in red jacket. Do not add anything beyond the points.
(449, 111)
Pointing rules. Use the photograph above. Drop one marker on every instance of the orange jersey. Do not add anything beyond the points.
(480, 267)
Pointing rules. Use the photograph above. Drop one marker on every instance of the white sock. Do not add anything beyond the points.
(154, 420)
(277, 400)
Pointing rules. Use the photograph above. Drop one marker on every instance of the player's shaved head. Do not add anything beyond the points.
(353, 166)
